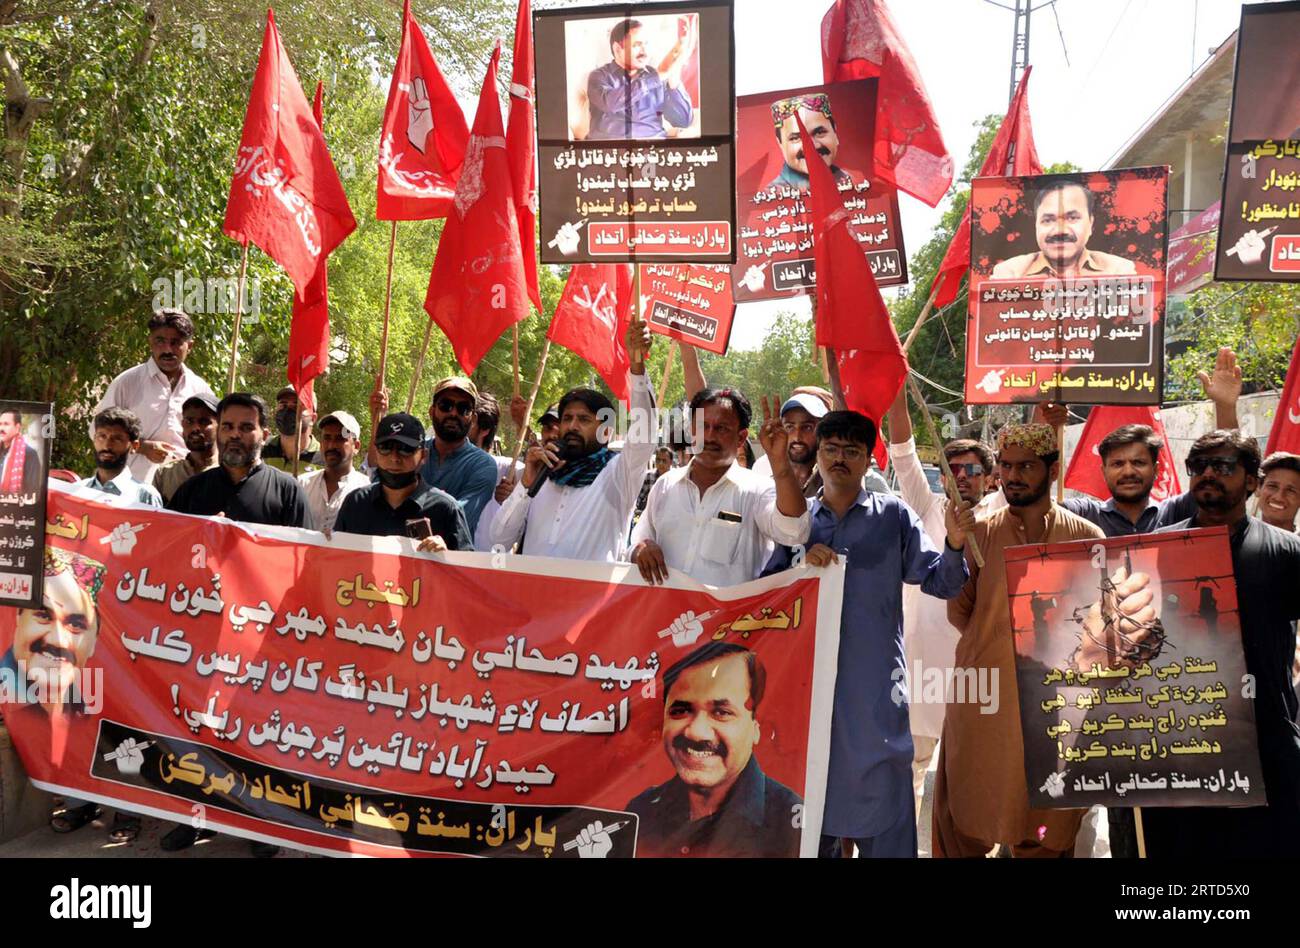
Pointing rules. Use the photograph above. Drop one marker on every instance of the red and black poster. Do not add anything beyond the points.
(636, 132)
(690, 302)
(1067, 288)
(775, 258)
(350, 696)
(1130, 668)
(26, 430)
(1259, 233)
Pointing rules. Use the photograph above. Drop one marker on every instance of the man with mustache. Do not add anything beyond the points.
(400, 494)
(815, 110)
(20, 463)
(51, 646)
(628, 97)
(869, 797)
(452, 462)
(1063, 219)
(340, 440)
(980, 797)
(720, 803)
(241, 487)
(117, 437)
(156, 389)
(1224, 468)
(293, 437)
(1279, 494)
(199, 428)
(714, 520)
(575, 497)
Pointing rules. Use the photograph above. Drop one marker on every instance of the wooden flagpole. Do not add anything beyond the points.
(516, 358)
(239, 312)
(388, 300)
(419, 366)
(528, 412)
(920, 321)
(668, 370)
(949, 486)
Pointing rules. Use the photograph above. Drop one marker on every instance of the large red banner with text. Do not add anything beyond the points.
(353, 696)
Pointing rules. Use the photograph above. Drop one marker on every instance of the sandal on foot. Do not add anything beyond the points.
(71, 819)
(125, 828)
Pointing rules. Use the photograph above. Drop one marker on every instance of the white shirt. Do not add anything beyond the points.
(146, 391)
(711, 549)
(482, 532)
(123, 489)
(325, 509)
(584, 523)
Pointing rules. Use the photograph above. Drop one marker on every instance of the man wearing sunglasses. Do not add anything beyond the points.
(868, 789)
(401, 495)
(452, 462)
(1224, 470)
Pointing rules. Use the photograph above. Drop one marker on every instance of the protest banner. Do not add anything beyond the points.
(636, 132)
(1067, 288)
(1119, 712)
(775, 256)
(1259, 233)
(1191, 253)
(25, 432)
(349, 696)
(689, 302)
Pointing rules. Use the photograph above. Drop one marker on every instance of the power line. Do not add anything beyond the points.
(1105, 46)
(1061, 33)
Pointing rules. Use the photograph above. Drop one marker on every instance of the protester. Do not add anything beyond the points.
(242, 487)
(981, 799)
(326, 489)
(1279, 494)
(20, 463)
(714, 520)
(868, 786)
(157, 389)
(575, 497)
(117, 437)
(663, 463)
(199, 429)
(386, 507)
(1224, 467)
(930, 640)
(293, 437)
(483, 429)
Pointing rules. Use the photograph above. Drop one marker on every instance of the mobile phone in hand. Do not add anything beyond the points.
(417, 528)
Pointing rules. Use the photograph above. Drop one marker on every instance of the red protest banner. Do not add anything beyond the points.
(342, 697)
(689, 302)
(1129, 666)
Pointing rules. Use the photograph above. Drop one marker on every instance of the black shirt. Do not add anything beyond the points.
(264, 496)
(757, 819)
(366, 510)
(1266, 565)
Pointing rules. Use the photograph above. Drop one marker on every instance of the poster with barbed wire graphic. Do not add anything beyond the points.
(1132, 681)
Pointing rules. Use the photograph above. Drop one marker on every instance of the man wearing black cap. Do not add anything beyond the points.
(199, 429)
(294, 437)
(242, 487)
(401, 494)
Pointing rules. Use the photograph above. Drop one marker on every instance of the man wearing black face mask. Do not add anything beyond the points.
(401, 494)
(294, 437)
(1224, 468)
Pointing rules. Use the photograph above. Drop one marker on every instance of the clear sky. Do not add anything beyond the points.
(1125, 58)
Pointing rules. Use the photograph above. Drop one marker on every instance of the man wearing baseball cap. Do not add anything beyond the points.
(452, 463)
(326, 489)
(383, 508)
(199, 431)
(294, 437)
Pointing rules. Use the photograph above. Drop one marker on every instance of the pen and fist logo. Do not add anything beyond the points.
(567, 238)
(129, 756)
(753, 278)
(594, 841)
(992, 381)
(1054, 785)
(684, 630)
(122, 540)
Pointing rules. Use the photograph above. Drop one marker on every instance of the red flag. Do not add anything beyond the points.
(478, 288)
(423, 140)
(309, 331)
(285, 196)
(591, 320)
(1084, 472)
(1285, 434)
(521, 150)
(1012, 153)
(860, 41)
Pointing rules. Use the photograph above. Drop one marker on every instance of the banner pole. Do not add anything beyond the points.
(950, 488)
(1141, 836)
(419, 366)
(516, 358)
(239, 312)
(668, 371)
(920, 321)
(528, 412)
(388, 300)
(297, 427)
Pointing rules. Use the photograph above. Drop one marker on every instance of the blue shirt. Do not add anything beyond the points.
(469, 474)
(125, 486)
(634, 107)
(1115, 523)
(869, 783)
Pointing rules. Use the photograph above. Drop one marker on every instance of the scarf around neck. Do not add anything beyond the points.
(11, 478)
(582, 472)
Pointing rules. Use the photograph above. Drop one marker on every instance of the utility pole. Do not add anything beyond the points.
(1021, 13)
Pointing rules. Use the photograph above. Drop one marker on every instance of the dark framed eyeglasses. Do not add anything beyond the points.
(1221, 466)
(388, 447)
(972, 470)
(449, 406)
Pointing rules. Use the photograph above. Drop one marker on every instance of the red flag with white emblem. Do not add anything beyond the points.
(591, 320)
(1285, 433)
(424, 136)
(521, 148)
